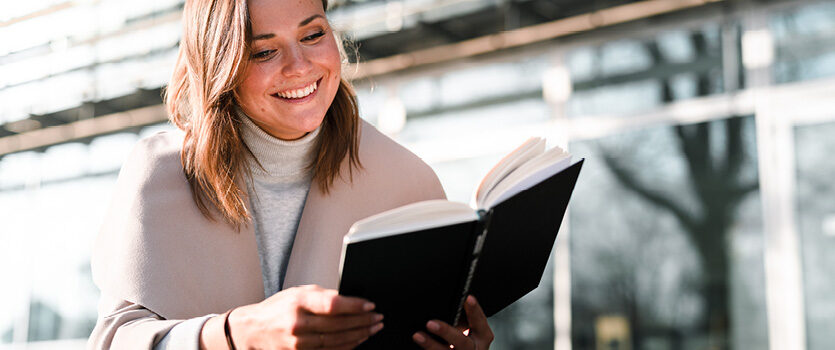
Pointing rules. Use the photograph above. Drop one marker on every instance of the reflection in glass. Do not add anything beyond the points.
(666, 240)
(635, 75)
(58, 200)
(816, 224)
(805, 40)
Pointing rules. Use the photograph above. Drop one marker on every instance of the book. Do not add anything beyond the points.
(419, 262)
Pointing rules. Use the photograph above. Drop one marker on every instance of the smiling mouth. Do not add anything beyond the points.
(298, 94)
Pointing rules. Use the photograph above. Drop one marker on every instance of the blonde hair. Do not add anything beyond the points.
(201, 101)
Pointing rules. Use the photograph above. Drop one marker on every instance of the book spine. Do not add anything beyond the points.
(484, 220)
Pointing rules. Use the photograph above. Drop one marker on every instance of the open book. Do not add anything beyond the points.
(420, 261)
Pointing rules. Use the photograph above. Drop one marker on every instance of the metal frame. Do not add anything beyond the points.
(445, 53)
(38, 13)
(524, 36)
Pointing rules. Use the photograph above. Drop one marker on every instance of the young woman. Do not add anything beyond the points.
(228, 234)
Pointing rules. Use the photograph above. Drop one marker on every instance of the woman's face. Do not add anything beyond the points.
(294, 67)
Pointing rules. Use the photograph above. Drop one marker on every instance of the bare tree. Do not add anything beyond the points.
(718, 188)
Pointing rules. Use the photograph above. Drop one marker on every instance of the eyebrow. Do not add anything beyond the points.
(301, 24)
(310, 19)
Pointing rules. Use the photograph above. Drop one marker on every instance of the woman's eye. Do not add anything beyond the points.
(314, 36)
(262, 54)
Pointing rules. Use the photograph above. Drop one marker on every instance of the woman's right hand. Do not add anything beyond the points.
(306, 317)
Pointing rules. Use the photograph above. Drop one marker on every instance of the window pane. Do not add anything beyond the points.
(816, 223)
(667, 240)
(62, 296)
(53, 203)
(805, 43)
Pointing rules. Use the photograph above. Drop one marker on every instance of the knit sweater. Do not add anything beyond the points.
(280, 181)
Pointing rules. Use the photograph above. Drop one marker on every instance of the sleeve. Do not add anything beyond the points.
(126, 325)
(185, 335)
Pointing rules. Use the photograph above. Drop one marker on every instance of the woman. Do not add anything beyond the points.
(228, 235)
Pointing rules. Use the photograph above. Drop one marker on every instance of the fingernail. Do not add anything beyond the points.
(378, 317)
(368, 306)
(433, 326)
(376, 328)
(418, 338)
(471, 300)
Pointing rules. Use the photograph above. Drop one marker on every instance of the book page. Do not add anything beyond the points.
(410, 218)
(525, 152)
(528, 174)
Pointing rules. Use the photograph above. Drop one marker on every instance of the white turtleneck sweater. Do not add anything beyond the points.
(278, 189)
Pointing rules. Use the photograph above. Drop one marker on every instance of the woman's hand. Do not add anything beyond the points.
(478, 337)
(307, 317)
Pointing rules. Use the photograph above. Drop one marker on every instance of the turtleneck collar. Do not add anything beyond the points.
(280, 160)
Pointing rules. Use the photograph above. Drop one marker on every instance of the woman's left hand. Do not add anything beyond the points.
(478, 337)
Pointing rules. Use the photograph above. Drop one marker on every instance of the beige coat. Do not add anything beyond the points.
(158, 258)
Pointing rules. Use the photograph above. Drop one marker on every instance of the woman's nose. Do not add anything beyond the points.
(296, 62)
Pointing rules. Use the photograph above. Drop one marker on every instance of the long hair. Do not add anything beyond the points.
(201, 101)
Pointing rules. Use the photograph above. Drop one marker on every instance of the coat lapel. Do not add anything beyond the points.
(390, 177)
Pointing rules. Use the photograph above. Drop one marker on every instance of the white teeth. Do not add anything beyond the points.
(300, 92)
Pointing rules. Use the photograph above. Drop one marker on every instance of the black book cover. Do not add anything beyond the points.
(522, 232)
(412, 277)
(419, 276)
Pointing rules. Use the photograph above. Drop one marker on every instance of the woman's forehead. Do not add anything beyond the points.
(282, 14)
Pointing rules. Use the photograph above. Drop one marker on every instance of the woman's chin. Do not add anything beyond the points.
(299, 131)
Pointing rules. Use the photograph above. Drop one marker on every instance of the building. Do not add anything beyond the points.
(702, 218)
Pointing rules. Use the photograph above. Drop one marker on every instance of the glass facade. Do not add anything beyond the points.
(816, 225)
(52, 205)
(630, 75)
(798, 36)
(667, 235)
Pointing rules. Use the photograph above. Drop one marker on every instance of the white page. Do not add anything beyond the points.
(526, 176)
(409, 218)
(531, 148)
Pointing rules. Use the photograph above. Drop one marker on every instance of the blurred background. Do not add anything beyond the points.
(702, 219)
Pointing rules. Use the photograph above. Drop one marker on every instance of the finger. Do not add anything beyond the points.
(426, 342)
(313, 323)
(350, 337)
(328, 302)
(452, 335)
(479, 328)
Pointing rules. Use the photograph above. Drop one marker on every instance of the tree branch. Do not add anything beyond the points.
(694, 141)
(744, 189)
(631, 182)
(735, 148)
(695, 144)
